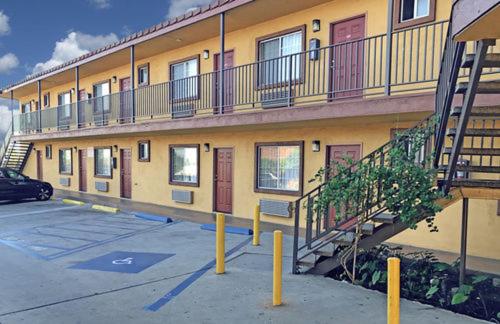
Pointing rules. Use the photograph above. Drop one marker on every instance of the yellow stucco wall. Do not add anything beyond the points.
(150, 180)
(243, 42)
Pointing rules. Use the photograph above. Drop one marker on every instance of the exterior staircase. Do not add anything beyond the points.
(465, 153)
(14, 154)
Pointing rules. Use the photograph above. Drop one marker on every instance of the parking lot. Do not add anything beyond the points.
(71, 264)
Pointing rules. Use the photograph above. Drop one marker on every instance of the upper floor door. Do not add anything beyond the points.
(125, 100)
(228, 82)
(347, 57)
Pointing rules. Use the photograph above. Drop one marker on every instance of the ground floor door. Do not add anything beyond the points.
(228, 82)
(338, 154)
(82, 170)
(223, 180)
(126, 173)
(125, 101)
(346, 77)
(39, 165)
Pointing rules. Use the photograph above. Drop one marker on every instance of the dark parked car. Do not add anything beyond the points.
(15, 186)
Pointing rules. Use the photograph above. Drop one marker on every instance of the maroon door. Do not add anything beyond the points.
(39, 166)
(347, 52)
(223, 179)
(125, 101)
(338, 153)
(126, 173)
(82, 96)
(228, 82)
(82, 170)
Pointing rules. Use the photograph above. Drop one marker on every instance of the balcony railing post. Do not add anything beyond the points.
(290, 80)
(221, 62)
(388, 50)
(132, 81)
(77, 90)
(12, 108)
(39, 107)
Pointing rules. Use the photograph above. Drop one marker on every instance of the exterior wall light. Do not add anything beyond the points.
(206, 54)
(316, 146)
(115, 147)
(75, 148)
(72, 90)
(316, 25)
(114, 79)
(206, 147)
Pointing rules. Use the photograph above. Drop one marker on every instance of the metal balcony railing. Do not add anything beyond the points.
(354, 69)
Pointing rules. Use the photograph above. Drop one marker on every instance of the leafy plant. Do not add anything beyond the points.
(398, 176)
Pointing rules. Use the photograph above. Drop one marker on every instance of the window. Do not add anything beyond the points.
(144, 152)
(48, 152)
(409, 13)
(184, 165)
(65, 161)
(102, 90)
(64, 103)
(143, 75)
(279, 167)
(274, 68)
(184, 79)
(26, 108)
(46, 100)
(103, 162)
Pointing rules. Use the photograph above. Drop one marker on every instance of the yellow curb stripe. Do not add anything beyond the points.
(73, 202)
(106, 209)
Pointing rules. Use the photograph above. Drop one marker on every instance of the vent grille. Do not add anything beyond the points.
(182, 196)
(279, 208)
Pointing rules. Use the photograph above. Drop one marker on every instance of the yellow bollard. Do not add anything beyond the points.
(256, 225)
(278, 267)
(220, 249)
(393, 277)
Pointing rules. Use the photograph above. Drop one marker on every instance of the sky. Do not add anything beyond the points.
(36, 35)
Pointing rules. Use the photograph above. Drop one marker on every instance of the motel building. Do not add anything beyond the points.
(155, 119)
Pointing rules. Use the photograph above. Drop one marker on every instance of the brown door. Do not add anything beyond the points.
(82, 97)
(39, 166)
(126, 173)
(223, 179)
(228, 82)
(347, 53)
(82, 170)
(338, 153)
(125, 101)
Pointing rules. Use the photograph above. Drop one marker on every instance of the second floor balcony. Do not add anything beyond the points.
(408, 61)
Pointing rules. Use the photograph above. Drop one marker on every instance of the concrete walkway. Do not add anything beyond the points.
(180, 289)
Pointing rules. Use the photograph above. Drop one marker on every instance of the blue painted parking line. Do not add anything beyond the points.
(190, 280)
(48, 246)
(24, 250)
(152, 217)
(61, 236)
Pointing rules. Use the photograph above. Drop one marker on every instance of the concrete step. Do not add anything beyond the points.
(475, 151)
(326, 251)
(481, 111)
(479, 132)
(345, 239)
(491, 60)
(366, 229)
(384, 218)
(484, 87)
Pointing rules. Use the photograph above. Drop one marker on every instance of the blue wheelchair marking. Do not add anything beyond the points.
(122, 261)
(228, 229)
(190, 280)
(152, 217)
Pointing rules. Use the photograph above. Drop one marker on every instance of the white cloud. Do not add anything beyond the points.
(74, 45)
(179, 7)
(4, 24)
(101, 4)
(8, 62)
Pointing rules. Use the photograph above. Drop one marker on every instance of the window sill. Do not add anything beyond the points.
(279, 192)
(184, 184)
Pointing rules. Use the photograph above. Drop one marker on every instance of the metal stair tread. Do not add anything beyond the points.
(476, 183)
(478, 111)
(486, 132)
(483, 87)
(473, 168)
(475, 151)
(491, 60)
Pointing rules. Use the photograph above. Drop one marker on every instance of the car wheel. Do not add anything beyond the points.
(43, 194)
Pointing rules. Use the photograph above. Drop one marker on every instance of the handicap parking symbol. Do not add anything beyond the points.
(123, 261)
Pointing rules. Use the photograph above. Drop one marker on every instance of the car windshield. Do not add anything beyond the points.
(13, 174)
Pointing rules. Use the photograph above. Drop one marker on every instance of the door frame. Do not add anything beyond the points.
(123, 103)
(216, 90)
(79, 154)
(214, 182)
(121, 175)
(331, 95)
